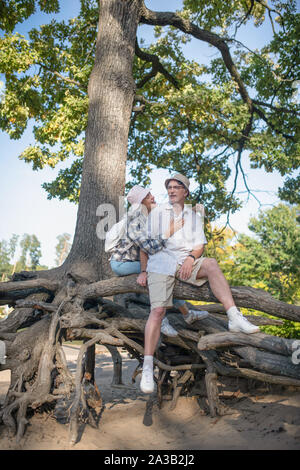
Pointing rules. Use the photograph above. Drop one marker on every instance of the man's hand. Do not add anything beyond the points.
(142, 279)
(186, 268)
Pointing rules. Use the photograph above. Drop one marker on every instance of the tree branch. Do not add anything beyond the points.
(172, 19)
(11, 286)
(244, 19)
(156, 67)
(280, 109)
(65, 79)
(262, 115)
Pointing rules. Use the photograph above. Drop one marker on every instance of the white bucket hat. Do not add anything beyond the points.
(181, 178)
(137, 194)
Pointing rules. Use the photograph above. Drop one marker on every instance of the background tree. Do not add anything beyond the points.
(29, 257)
(62, 248)
(271, 260)
(7, 251)
(221, 246)
(272, 256)
(31, 252)
(268, 259)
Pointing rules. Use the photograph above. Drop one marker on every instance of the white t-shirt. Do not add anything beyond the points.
(190, 237)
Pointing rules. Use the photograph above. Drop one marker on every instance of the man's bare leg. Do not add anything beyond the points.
(217, 281)
(220, 288)
(152, 330)
(152, 334)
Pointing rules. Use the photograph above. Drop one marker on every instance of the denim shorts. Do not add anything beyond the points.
(124, 268)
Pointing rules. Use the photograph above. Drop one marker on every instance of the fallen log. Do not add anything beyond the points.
(201, 353)
(247, 297)
(273, 344)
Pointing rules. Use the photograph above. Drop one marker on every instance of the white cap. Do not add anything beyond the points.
(137, 194)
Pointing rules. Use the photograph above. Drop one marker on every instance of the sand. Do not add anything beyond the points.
(261, 419)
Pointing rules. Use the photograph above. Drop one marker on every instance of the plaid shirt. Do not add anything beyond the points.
(128, 248)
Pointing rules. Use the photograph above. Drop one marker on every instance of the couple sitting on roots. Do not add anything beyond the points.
(164, 242)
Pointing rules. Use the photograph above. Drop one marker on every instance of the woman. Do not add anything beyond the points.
(130, 255)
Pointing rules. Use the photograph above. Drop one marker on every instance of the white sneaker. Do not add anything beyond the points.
(167, 329)
(239, 324)
(195, 315)
(147, 381)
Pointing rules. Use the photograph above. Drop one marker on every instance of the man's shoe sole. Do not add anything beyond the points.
(245, 332)
(148, 392)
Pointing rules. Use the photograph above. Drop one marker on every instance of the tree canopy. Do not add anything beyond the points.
(188, 116)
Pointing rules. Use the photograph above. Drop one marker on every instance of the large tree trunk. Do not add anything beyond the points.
(111, 93)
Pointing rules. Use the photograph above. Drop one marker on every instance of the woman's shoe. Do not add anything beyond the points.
(168, 329)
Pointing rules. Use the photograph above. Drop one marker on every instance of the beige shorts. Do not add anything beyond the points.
(161, 286)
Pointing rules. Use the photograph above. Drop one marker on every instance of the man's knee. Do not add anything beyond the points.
(211, 265)
(158, 313)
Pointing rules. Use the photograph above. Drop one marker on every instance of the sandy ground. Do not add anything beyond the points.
(261, 420)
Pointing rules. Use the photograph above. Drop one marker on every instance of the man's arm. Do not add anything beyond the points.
(197, 252)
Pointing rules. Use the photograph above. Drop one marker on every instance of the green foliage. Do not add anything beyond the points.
(13, 12)
(289, 329)
(290, 192)
(217, 14)
(195, 127)
(273, 257)
(271, 260)
(46, 79)
(268, 260)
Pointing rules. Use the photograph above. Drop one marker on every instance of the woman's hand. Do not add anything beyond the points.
(142, 279)
(175, 225)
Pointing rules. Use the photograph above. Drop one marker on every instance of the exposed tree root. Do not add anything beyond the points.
(71, 309)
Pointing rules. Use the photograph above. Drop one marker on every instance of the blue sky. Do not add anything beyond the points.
(24, 206)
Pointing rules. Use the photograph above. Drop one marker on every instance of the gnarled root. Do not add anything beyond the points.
(201, 353)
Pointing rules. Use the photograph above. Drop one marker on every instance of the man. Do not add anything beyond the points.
(181, 257)
(130, 253)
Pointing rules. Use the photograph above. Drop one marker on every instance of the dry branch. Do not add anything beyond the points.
(12, 286)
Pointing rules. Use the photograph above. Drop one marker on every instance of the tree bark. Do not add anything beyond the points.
(111, 94)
